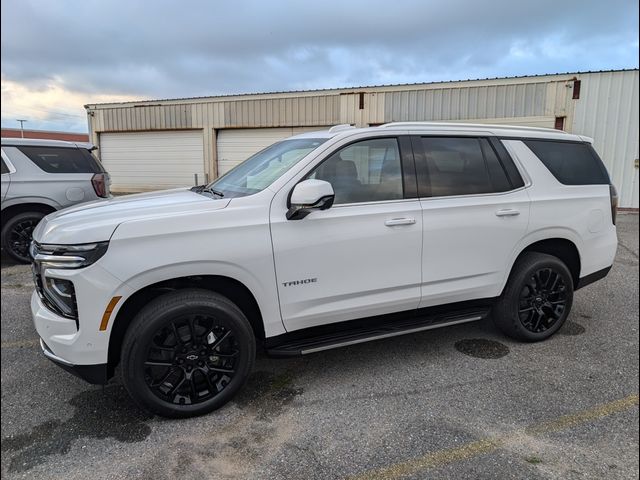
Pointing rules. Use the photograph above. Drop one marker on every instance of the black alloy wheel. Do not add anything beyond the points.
(186, 353)
(543, 300)
(537, 299)
(191, 360)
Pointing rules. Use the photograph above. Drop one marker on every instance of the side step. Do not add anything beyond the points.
(318, 339)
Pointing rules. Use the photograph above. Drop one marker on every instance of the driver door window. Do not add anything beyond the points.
(367, 171)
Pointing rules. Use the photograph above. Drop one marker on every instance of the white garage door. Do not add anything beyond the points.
(142, 161)
(238, 144)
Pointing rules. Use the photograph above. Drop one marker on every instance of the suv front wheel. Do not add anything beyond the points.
(537, 299)
(187, 353)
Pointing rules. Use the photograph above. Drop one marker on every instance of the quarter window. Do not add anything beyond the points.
(571, 163)
(5, 168)
(367, 171)
(62, 160)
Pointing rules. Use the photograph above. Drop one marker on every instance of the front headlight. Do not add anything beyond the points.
(62, 294)
(67, 256)
(59, 293)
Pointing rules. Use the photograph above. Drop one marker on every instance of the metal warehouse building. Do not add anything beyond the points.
(158, 144)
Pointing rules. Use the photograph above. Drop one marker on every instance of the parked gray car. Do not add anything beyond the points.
(40, 177)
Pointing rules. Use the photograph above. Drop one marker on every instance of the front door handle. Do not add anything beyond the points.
(400, 221)
(507, 212)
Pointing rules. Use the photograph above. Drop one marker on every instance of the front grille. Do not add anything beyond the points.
(35, 269)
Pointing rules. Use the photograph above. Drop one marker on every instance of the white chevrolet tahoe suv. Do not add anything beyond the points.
(322, 240)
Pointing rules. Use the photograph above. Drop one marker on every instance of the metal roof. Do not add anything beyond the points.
(336, 89)
(43, 142)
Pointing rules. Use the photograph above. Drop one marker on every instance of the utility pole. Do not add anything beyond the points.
(21, 127)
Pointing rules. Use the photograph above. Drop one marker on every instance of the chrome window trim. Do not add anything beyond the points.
(380, 202)
(476, 195)
(10, 166)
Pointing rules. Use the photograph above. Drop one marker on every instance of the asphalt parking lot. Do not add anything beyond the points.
(462, 402)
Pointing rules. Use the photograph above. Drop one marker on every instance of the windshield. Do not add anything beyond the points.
(265, 167)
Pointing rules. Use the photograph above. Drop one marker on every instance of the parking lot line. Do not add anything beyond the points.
(21, 343)
(473, 449)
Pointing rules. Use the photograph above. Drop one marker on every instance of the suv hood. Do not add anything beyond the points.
(96, 221)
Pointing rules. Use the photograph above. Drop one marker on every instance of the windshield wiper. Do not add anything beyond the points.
(215, 192)
(205, 189)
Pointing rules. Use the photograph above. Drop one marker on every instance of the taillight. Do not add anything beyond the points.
(613, 193)
(100, 185)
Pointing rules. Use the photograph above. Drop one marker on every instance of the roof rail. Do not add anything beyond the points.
(48, 142)
(484, 126)
(341, 127)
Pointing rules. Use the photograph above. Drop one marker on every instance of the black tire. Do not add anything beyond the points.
(16, 235)
(537, 298)
(202, 377)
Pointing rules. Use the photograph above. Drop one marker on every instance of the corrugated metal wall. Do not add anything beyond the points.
(270, 112)
(495, 101)
(607, 110)
(457, 101)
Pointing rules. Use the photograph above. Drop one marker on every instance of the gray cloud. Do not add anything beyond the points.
(172, 49)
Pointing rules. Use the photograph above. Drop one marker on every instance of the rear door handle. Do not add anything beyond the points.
(400, 221)
(507, 212)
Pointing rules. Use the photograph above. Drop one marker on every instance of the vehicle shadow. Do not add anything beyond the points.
(6, 261)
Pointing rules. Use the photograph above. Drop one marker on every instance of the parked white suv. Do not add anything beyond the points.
(322, 240)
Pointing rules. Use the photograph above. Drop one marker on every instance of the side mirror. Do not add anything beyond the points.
(310, 195)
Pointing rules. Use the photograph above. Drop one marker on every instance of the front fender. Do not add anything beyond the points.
(266, 300)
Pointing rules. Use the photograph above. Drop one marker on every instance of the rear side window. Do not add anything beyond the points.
(5, 168)
(499, 180)
(462, 166)
(571, 163)
(62, 160)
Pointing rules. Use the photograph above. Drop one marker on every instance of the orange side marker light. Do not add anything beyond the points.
(107, 313)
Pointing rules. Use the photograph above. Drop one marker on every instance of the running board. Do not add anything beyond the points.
(348, 335)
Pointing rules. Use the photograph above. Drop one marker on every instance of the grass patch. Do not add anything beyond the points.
(282, 381)
(533, 460)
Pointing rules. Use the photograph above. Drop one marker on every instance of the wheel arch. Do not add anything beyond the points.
(11, 211)
(231, 288)
(562, 248)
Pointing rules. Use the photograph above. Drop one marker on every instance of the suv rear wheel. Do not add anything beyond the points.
(187, 353)
(17, 233)
(537, 299)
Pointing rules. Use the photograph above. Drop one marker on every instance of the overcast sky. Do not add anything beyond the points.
(59, 55)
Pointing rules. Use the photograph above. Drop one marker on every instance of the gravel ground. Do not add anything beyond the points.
(461, 402)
